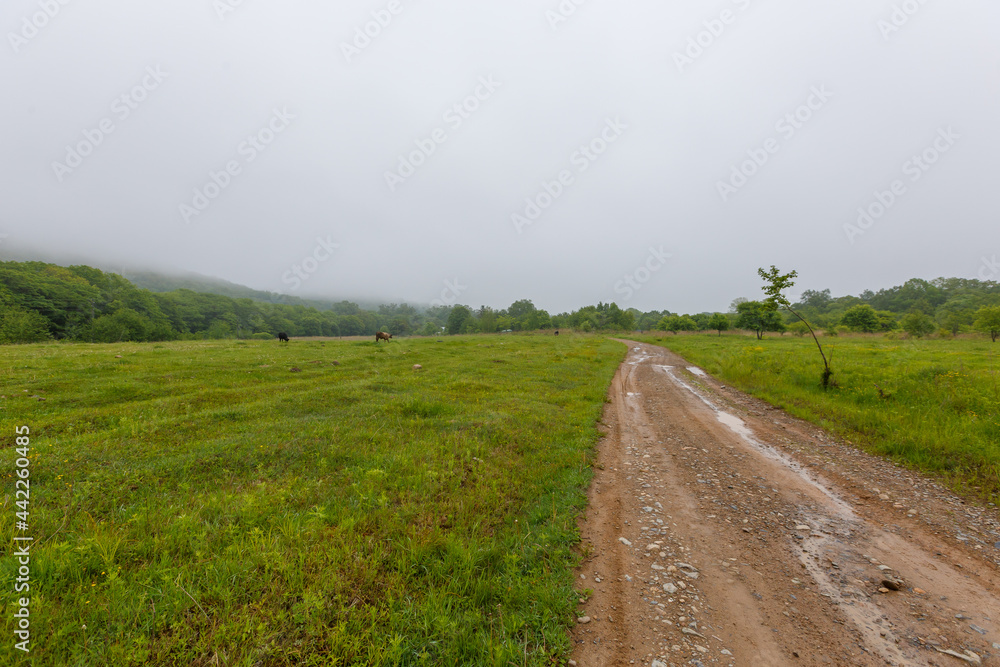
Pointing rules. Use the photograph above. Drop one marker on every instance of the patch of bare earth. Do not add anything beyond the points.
(722, 531)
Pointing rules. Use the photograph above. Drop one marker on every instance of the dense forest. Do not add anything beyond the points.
(40, 301)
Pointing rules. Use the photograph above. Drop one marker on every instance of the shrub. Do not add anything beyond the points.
(861, 318)
(23, 326)
(917, 324)
(125, 324)
(988, 321)
(798, 328)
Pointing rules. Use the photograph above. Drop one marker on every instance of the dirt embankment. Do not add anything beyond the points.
(724, 532)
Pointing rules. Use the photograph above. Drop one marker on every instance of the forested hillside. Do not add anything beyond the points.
(160, 282)
(41, 301)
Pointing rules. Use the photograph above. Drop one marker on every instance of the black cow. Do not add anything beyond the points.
(557, 332)
(282, 336)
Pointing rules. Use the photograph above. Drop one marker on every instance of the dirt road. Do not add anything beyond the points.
(722, 531)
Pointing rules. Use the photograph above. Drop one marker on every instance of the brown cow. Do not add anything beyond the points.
(381, 335)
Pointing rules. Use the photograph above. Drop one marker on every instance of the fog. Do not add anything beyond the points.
(652, 154)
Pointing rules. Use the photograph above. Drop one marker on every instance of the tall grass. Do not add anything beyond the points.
(201, 503)
(933, 405)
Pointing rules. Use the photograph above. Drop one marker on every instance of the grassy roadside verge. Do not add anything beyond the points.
(201, 503)
(933, 405)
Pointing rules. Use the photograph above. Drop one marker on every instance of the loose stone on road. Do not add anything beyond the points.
(722, 531)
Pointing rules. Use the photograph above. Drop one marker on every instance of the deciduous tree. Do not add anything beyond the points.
(719, 322)
(861, 318)
(775, 285)
(757, 317)
(917, 323)
(988, 321)
(457, 318)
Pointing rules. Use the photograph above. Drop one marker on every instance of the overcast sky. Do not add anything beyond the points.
(653, 154)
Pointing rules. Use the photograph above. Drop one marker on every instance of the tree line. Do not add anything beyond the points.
(41, 301)
(918, 307)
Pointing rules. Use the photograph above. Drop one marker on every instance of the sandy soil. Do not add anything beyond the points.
(722, 531)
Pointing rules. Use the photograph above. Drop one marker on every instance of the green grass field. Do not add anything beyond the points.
(938, 410)
(203, 504)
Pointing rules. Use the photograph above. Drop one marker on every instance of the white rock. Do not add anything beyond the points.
(624, 541)
(970, 657)
(669, 588)
(689, 571)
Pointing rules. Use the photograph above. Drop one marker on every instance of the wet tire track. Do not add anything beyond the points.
(721, 531)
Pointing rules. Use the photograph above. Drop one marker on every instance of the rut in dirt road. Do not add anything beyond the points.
(721, 531)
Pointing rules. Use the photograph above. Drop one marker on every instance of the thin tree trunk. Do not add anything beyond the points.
(827, 373)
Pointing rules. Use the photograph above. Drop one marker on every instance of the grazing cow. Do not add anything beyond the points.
(381, 335)
(282, 336)
(557, 332)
